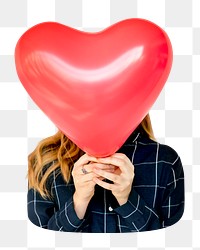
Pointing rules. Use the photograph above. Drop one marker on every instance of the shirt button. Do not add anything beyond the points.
(110, 209)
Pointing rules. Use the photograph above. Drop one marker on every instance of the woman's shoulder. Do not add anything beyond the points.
(165, 152)
(55, 177)
(170, 153)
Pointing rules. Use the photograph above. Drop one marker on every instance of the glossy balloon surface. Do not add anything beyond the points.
(95, 87)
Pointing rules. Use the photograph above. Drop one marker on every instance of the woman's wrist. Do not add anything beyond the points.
(122, 201)
(80, 205)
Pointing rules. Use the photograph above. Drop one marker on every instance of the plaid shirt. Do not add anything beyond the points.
(156, 199)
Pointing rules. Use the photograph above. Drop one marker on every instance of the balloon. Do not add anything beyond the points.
(95, 87)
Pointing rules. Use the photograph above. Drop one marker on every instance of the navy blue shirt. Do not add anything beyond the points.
(155, 201)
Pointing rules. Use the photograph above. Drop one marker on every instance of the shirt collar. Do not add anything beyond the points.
(137, 135)
(133, 138)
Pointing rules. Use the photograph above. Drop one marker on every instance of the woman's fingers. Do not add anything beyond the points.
(88, 177)
(107, 167)
(108, 163)
(104, 184)
(84, 159)
(107, 175)
(86, 168)
(114, 161)
(119, 160)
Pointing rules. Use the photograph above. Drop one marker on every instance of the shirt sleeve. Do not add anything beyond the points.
(174, 198)
(42, 213)
(138, 216)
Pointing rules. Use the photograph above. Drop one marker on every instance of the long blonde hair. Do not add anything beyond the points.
(59, 153)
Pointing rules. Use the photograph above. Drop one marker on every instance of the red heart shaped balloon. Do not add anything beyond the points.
(96, 87)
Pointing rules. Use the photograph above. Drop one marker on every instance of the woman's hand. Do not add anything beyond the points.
(122, 177)
(84, 184)
(83, 176)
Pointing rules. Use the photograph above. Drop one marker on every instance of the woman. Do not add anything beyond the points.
(139, 188)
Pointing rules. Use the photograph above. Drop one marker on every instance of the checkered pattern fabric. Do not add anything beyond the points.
(175, 117)
(156, 199)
